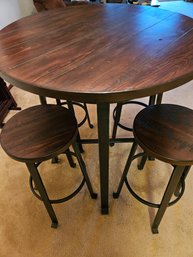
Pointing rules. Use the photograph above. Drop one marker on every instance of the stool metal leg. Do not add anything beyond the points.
(152, 99)
(84, 171)
(42, 191)
(159, 98)
(117, 119)
(70, 159)
(58, 102)
(55, 159)
(142, 162)
(171, 187)
(126, 169)
(70, 106)
(179, 186)
(87, 116)
(43, 100)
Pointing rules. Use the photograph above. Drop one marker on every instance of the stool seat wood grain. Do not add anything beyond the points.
(50, 138)
(166, 132)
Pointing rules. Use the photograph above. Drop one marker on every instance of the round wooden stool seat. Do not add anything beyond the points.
(39, 133)
(166, 132)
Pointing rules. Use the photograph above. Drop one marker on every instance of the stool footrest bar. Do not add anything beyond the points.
(61, 200)
(150, 204)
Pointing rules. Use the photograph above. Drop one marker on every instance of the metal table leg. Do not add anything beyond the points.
(103, 134)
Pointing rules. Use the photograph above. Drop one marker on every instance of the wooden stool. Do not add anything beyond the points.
(165, 132)
(40, 133)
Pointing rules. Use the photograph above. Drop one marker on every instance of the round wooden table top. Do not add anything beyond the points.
(98, 53)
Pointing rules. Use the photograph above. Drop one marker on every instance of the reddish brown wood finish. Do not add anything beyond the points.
(98, 53)
(166, 132)
(39, 133)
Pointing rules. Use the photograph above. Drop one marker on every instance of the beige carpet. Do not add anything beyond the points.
(25, 227)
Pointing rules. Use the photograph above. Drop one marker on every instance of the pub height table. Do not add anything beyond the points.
(98, 54)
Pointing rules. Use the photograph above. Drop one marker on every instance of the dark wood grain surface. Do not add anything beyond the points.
(98, 53)
(166, 132)
(39, 132)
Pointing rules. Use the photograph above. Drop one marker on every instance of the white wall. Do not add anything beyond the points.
(11, 10)
(26, 7)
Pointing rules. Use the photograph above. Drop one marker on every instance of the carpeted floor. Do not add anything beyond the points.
(83, 231)
(25, 227)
